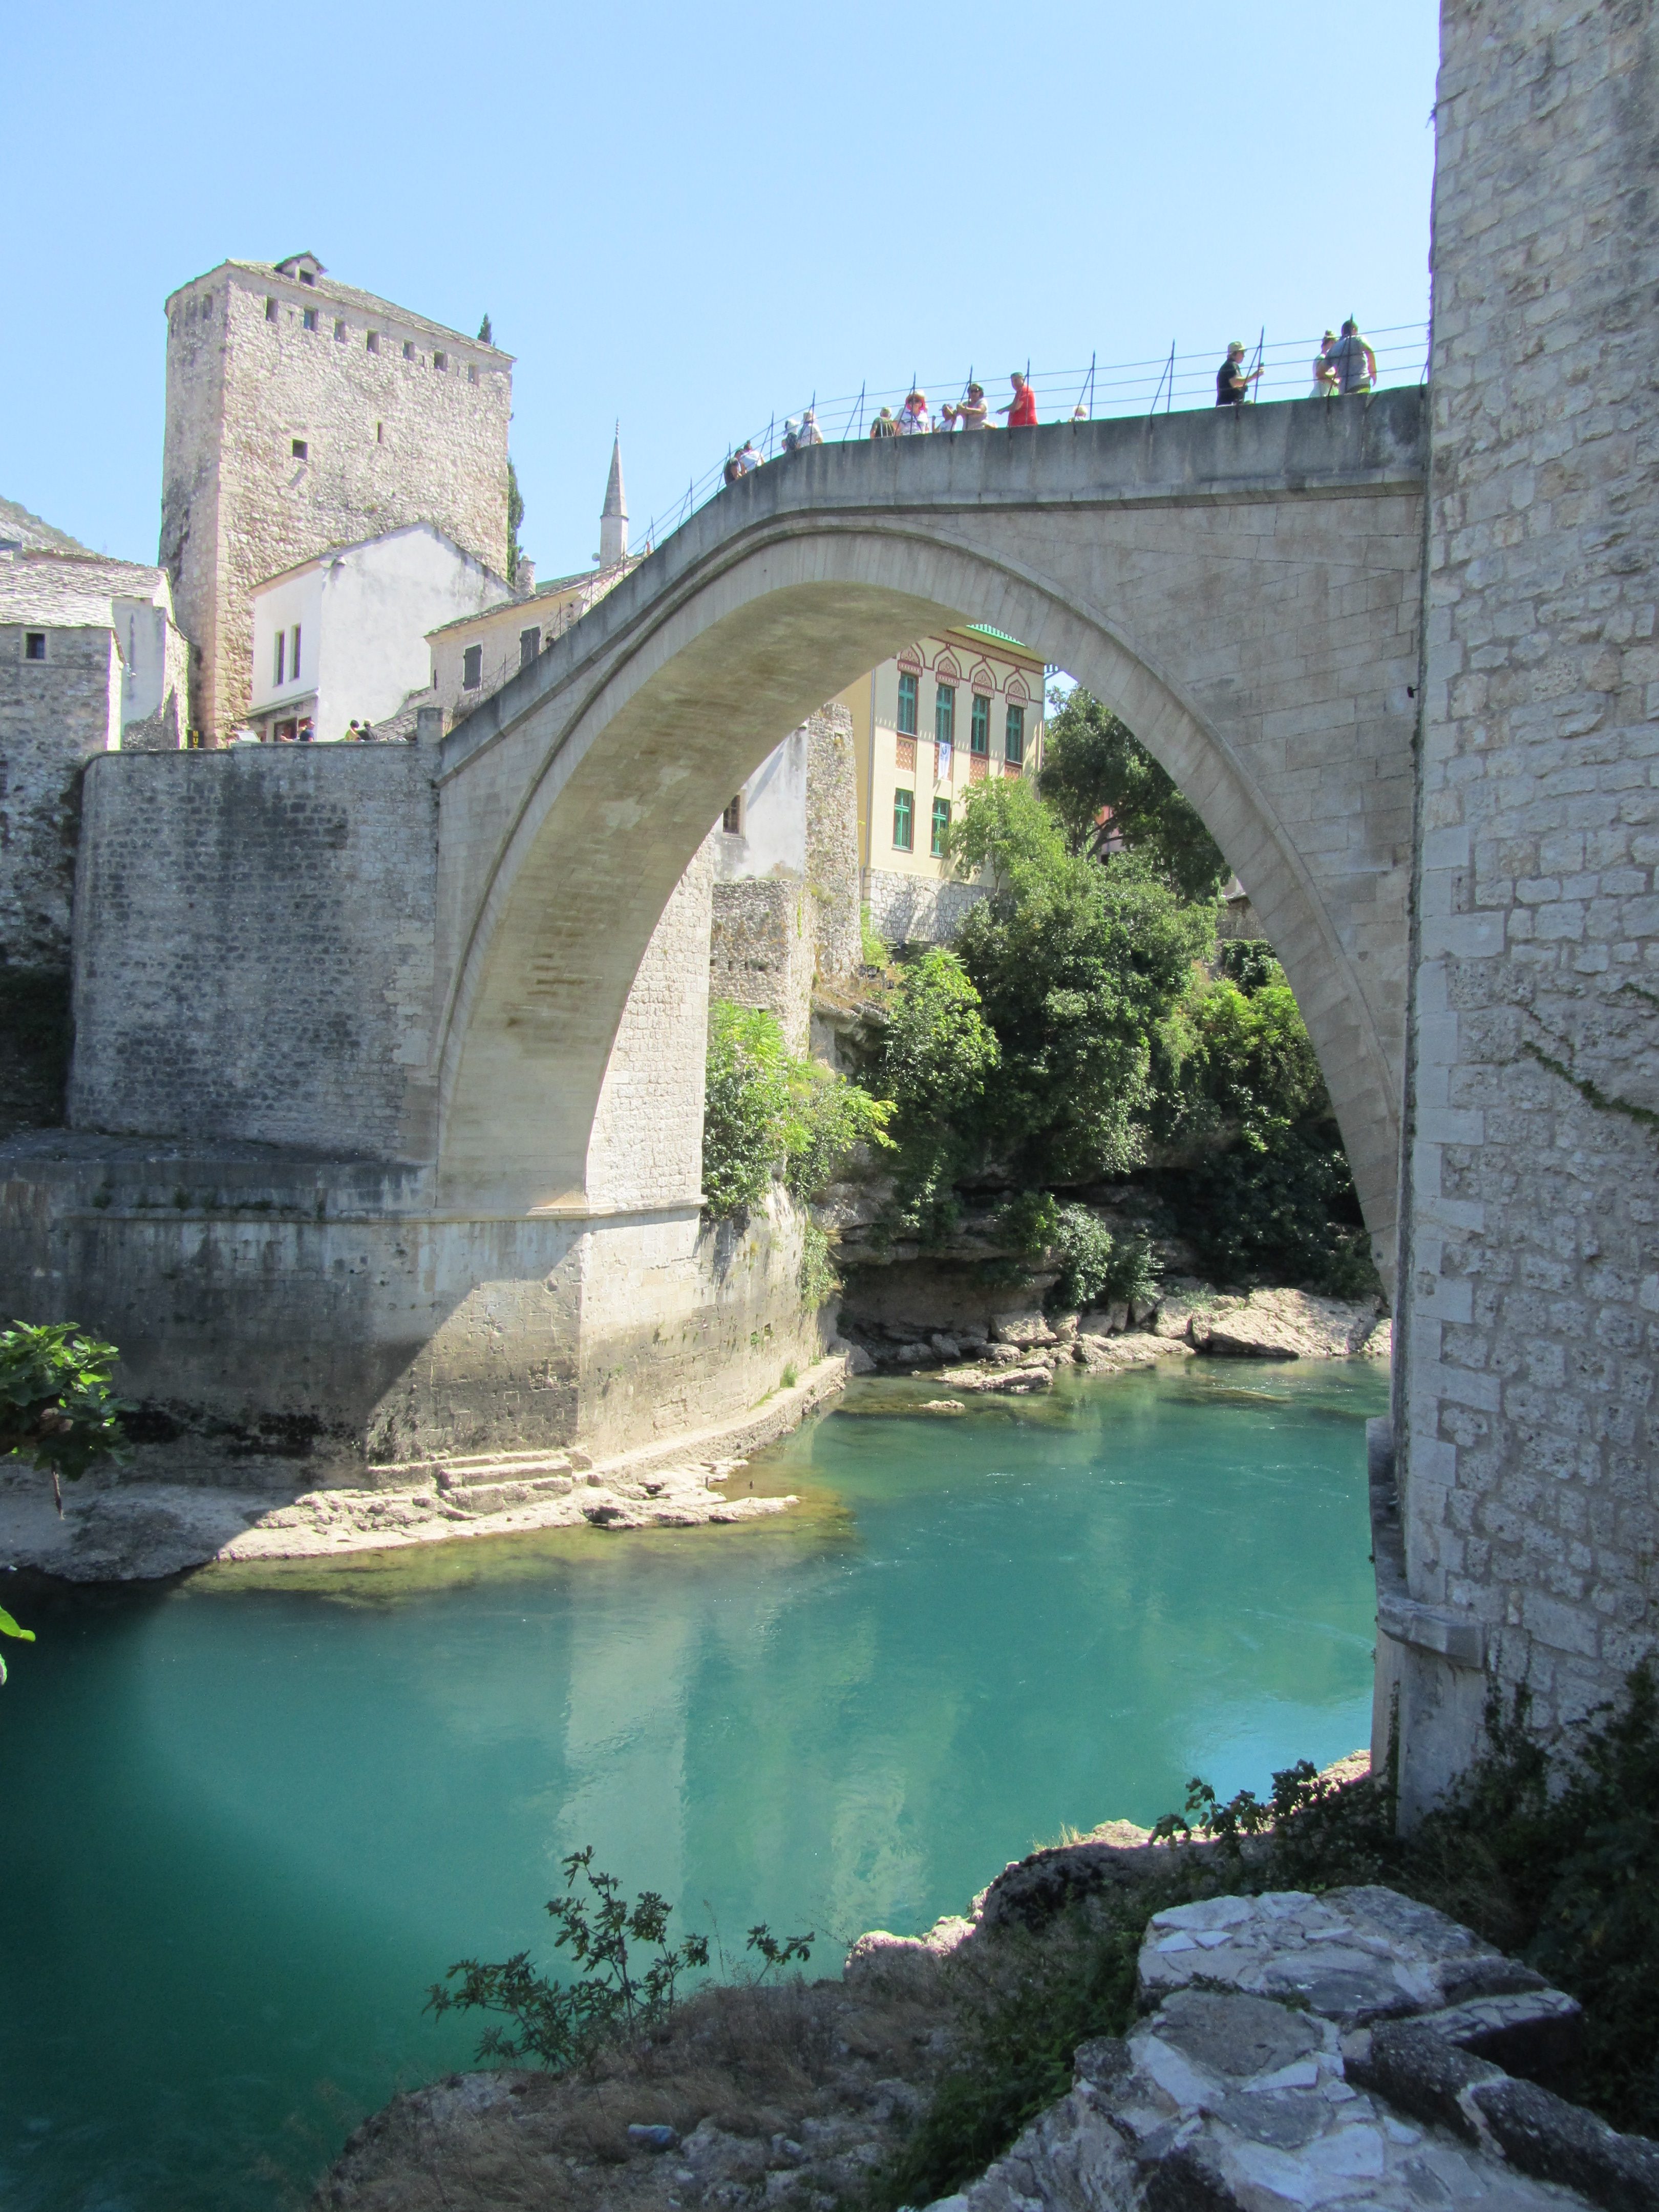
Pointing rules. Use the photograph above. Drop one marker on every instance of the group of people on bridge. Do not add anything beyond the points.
(1342, 365)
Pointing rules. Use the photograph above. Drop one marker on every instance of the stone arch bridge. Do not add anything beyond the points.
(1241, 585)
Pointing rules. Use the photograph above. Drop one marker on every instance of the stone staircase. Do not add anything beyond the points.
(477, 1483)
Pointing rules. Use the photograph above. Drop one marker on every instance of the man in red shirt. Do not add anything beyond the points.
(1021, 409)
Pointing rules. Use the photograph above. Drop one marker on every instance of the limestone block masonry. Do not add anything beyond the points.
(306, 415)
(1530, 1273)
(255, 947)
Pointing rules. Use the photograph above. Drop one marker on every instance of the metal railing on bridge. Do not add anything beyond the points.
(1100, 392)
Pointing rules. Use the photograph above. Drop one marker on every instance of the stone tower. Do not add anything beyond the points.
(613, 523)
(302, 414)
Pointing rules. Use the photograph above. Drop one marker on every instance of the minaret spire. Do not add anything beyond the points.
(613, 523)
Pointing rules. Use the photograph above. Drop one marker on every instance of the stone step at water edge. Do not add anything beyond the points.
(457, 1466)
(476, 1498)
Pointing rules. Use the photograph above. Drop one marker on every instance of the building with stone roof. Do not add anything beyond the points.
(302, 415)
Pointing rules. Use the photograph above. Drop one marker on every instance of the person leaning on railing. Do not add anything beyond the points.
(1233, 380)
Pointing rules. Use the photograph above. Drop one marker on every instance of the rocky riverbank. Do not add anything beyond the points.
(1283, 2050)
(115, 1528)
(1018, 1352)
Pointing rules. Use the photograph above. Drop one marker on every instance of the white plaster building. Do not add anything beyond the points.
(342, 638)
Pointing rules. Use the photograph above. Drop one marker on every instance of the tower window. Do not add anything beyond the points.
(440, 361)
(271, 310)
(282, 657)
(373, 341)
(408, 349)
(34, 645)
(907, 706)
(293, 655)
(380, 433)
(340, 330)
(307, 276)
(979, 729)
(300, 449)
(732, 820)
(308, 317)
(206, 307)
(1013, 741)
(472, 372)
(904, 820)
(472, 668)
(530, 644)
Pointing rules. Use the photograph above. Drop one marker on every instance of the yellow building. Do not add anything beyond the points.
(947, 714)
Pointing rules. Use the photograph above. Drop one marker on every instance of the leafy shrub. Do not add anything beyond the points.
(766, 1113)
(1285, 1209)
(55, 1404)
(1096, 1267)
(872, 949)
(9, 1627)
(561, 2025)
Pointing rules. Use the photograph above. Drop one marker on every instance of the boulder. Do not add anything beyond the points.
(859, 1361)
(1105, 1320)
(1284, 1325)
(1024, 1330)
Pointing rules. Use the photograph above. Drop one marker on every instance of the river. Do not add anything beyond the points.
(251, 1815)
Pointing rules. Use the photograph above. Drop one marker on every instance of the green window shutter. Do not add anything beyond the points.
(941, 825)
(944, 713)
(1013, 743)
(904, 810)
(979, 730)
(906, 707)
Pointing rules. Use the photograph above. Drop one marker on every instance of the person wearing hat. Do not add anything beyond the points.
(1233, 380)
(791, 434)
(972, 414)
(914, 420)
(810, 433)
(1324, 383)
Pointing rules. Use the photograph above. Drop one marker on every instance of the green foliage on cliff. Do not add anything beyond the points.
(769, 1116)
(57, 1408)
(1092, 762)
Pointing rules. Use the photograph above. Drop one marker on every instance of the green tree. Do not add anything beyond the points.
(1091, 761)
(515, 517)
(57, 1407)
(486, 335)
(1076, 966)
(1265, 1187)
(932, 1059)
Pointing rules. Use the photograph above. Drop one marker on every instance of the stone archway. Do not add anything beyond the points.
(1247, 599)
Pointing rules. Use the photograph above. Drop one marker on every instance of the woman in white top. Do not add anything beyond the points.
(810, 433)
(913, 419)
(1324, 383)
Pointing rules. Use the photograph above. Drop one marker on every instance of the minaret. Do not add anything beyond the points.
(613, 523)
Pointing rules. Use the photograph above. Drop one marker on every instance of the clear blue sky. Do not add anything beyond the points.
(688, 218)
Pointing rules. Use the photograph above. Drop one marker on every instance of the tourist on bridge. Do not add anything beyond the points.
(1354, 360)
(732, 472)
(1021, 409)
(1233, 380)
(885, 426)
(1324, 383)
(914, 421)
(810, 433)
(972, 414)
(749, 459)
(791, 434)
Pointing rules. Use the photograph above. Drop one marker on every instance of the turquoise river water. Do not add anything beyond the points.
(249, 1817)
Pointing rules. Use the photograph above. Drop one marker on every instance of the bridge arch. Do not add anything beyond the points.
(1252, 619)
